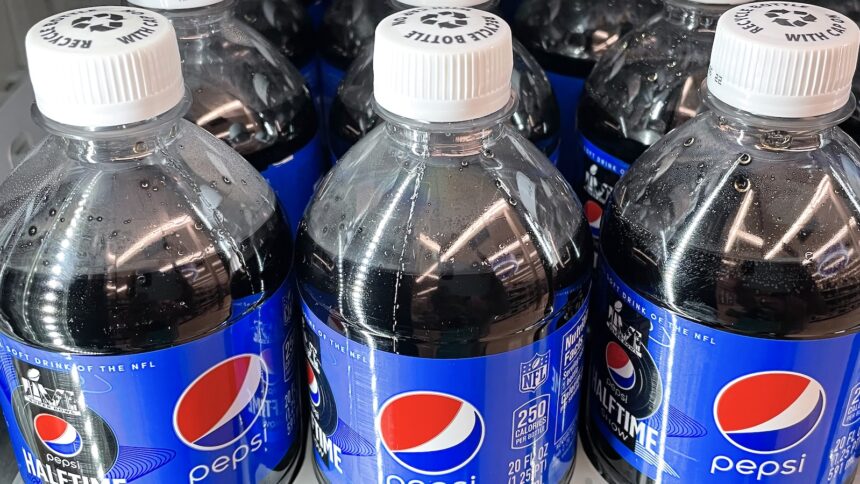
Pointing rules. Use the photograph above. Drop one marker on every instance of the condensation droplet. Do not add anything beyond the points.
(52, 212)
(144, 184)
(227, 180)
(744, 159)
(689, 142)
(32, 230)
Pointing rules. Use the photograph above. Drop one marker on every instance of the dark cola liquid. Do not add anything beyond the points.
(852, 126)
(348, 126)
(262, 137)
(779, 300)
(284, 23)
(110, 312)
(463, 317)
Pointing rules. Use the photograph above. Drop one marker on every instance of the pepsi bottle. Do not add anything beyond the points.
(642, 88)
(536, 116)
(727, 347)
(444, 275)
(288, 26)
(249, 95)
(146, 329)
(567, 37)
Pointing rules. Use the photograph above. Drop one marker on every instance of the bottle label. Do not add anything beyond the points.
(567, 91)
(684, 402)
(221, 409)
(504, 418)
(293, 179)
(602, 172)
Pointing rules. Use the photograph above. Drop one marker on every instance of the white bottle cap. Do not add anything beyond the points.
(719, 2)
(173, 4)
(784, 59)
(104, 66)
(445, 3)
(442, 64)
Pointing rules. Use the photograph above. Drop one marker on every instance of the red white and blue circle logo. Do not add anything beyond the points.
(313, 386)
(620, 367)
(430, 433)
(222, 404)
(59, 436)
(769, 412)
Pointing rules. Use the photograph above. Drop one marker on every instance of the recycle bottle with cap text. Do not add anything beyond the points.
(444, 268)
(642, 88)
(536, 116)
(146, 322)
(726, 347)
(567, 37)
(249, 95)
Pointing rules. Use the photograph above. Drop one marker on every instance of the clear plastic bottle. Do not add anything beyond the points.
(249, 95)
(729, 282)
(288, 26)
(644, 87)
(850, 8)
(567, 37)
(145, 311)
(444, 271)
(347, 28)
(536, 116)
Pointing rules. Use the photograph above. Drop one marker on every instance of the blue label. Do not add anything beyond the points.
(504, 418)
(568, 90)
(602, 171)
(221, 409)
(683, 402)
(293, 179)
(330, 78)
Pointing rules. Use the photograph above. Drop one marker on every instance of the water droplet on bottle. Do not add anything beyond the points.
(243, 181)
(744, 159)
(742, 184)
(689, 142)
(90, 218)
(512, 201)
(487, 153)
(99, 219)
(154, 188)
(652, 77)
(32, 230)
(127, 221)
(52, 212)
(464, 163)
(62, 219)
(46, 263)
(227, 180)
(114, 234)
(212, 184)
(144, 184)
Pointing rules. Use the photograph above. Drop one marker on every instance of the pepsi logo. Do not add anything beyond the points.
(313, 386)
(593, 212)
(769, 412)
(222, 404)
(620, 367)
(430, 433)
(59, 436)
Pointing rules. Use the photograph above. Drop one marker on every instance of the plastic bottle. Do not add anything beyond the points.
(146, 326)
(249, 95)
(288, 26)
(445, 267)
(536, 116)
(728, 350)
(645, 86)
(567, 37)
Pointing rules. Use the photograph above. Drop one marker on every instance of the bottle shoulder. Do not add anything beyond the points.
(648, 83)
(246, 92)
(446, 244)
(286, 24)
(135, 254)
(729, 233)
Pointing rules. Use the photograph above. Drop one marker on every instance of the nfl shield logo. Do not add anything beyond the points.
(534, 372)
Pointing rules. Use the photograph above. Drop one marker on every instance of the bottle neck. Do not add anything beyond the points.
(775, 134)
(465, 138)
(199, 22)
(693, 16)
(127, 142)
